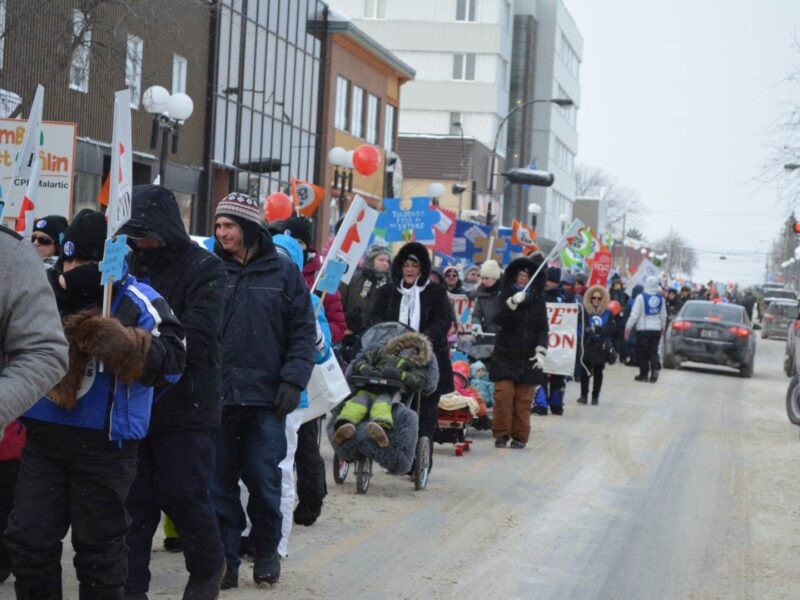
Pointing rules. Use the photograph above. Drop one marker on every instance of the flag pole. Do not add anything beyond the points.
(556, 249)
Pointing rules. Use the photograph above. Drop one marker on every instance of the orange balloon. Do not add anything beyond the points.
(614, 307)
(366, 159)
(278, 207)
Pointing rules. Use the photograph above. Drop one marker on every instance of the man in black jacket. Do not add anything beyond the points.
(268, 335)
(176, 459)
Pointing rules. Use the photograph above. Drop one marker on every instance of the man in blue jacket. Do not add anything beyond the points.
(268, 335)
(80, 457)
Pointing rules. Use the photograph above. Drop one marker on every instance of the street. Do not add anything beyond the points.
(683, 489)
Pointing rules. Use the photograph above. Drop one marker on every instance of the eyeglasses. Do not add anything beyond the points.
(596, 298)
(450, 275)
(43, 241)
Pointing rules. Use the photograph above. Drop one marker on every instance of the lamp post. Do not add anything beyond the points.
(170, 112)
(342, 162)
(435, 191)
(562, 102)
(534, 210)
(563, 218)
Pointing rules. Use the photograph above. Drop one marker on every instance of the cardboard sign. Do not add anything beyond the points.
(332, 276)
(462, 306)
(601, 269)
(646, 268)
(395, 223)
(113, 263)
(121, 174)
(562, 342)
(445, 231)
(351, 242)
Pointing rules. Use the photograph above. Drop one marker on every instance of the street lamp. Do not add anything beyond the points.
(170, 112)
(436, 190)
(791, 166)
(342, 162)
(534, 210)
(563, 218)
(562, 102)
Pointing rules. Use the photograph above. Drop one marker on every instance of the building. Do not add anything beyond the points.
(81, 58)
(361, 101)
(591, 212)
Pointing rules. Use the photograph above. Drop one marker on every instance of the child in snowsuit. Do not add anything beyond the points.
(461, 381)
(480, 381)
(404, 358)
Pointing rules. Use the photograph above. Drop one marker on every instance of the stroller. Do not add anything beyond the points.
(406, 453)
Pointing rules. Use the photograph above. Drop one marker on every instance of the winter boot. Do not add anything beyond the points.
(556, 401)
(502, 441)
(540, 401)
(517, 444)
(582, 400)
(595, 399)
(307, 514)
(344, 433)
(378, 434)
(539, 410)
(49, 590)
(230, 580)
(654, 376)
(173, 544)
(204, 588)
(557, 410)
(267, 568)
(640, 378)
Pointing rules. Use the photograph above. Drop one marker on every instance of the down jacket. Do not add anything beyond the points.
(521, 330)
(407, 358)
(649, 310)
(599, 326)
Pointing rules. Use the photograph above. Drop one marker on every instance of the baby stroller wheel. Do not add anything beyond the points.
(363, 474)
(422, 463)
(340, 469)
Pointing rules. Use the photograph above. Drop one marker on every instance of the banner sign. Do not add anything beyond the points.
(121, 173)
(601, 268)
(563, 338)
(466, 236)
(396, 224)
(462, 306)
(445, 231)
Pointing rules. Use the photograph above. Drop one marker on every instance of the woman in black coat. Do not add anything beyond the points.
(519, 351)
(414, 300)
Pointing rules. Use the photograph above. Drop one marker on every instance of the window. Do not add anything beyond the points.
(563, 156)
(568, 56)
(465, 10)
(464, 67)
(503, 74)
(506, 18)
(340, 120)
(357, 112)
(2, 30)
(375, 9)
(133, 68)
(570, 113)
(373, 105)
(388, 128)
(178, 74)
(79, 67)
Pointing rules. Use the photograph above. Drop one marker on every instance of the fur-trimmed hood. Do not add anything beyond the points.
(529, 264)
(420, 253)
(415, 341)
(587, 302)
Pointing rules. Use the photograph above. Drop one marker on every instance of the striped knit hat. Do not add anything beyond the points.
(239, 205)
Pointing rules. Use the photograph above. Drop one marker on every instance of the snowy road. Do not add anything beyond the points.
(689, 488)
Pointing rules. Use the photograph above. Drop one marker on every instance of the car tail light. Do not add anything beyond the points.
(739, 331)
(797, 325)
(769, 317)
(681, 325)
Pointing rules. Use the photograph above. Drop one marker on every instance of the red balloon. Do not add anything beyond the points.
(278, 207)
(366, 159)
(614, 307)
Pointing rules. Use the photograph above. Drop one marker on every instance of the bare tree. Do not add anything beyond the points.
(681, 257)
(623, 206)
(634, 234)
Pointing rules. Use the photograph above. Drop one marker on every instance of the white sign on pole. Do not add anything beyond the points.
(351, 241)
(27, 154)
(121, 174)
(29, 203)
(562, 342)
(645, 270)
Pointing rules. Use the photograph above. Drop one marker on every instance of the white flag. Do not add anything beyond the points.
(28, 155)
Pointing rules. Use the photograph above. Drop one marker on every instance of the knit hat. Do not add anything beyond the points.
(300, 229)
(491, 269)
(54, 227)
(85, 238)
(569, 279)
(374, 252)
(554, 274)
(244, 210)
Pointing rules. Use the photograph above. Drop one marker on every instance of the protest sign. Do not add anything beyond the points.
(562, 341)
(462, 306)
(396, 224)
(121, 174)
(646, 268)
(332, 276)
(113, 263)
(445, 231)
(601, 268)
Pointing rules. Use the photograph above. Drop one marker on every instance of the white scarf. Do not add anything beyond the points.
(410, 304)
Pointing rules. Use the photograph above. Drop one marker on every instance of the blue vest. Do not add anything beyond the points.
(652, 304)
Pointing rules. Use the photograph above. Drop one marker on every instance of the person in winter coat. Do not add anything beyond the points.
(673, 304)
(268, 335)
(358, 297)
(487, 299)
(311, 486)
(176, 459)
(414, 300)
(47, 235)
(82, 438)
(648, 318)
(631, 353)
(598, 333)
(481, 382)
(404, 358)
(550, 394)
(519, 352)
(30, 329)
(452, 280)
(617, 292)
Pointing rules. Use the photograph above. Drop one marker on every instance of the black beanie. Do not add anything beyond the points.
(554, 275)
(249, 230)
(299, 228)
(85, 238)
(54, 227)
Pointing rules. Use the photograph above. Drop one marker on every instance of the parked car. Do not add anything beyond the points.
(773, 295)
(718, 334)
(793, 400)
(778, 318)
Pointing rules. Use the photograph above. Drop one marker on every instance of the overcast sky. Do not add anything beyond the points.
(679, 98)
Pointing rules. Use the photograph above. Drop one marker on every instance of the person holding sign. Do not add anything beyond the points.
(519, 351)
(80, 458)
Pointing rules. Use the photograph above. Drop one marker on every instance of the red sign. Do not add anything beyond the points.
(601, 269)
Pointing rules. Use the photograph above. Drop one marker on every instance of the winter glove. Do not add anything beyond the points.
(514, 301)
(85, 278)
(537, 362)
(122, 349)
(320, 342)
(65, 393)
(287, 399)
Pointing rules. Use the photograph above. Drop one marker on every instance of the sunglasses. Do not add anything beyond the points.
(42, 241)
(597, 297)
(449, 275)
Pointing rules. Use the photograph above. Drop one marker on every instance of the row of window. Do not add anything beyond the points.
(568, 56)
(570, 113)
(466, 11)
(563, 156)
(134, 55)
(353, 104)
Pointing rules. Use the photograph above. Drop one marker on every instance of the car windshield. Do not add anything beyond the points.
(780, 294)
(729, 313)
(781, 309)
